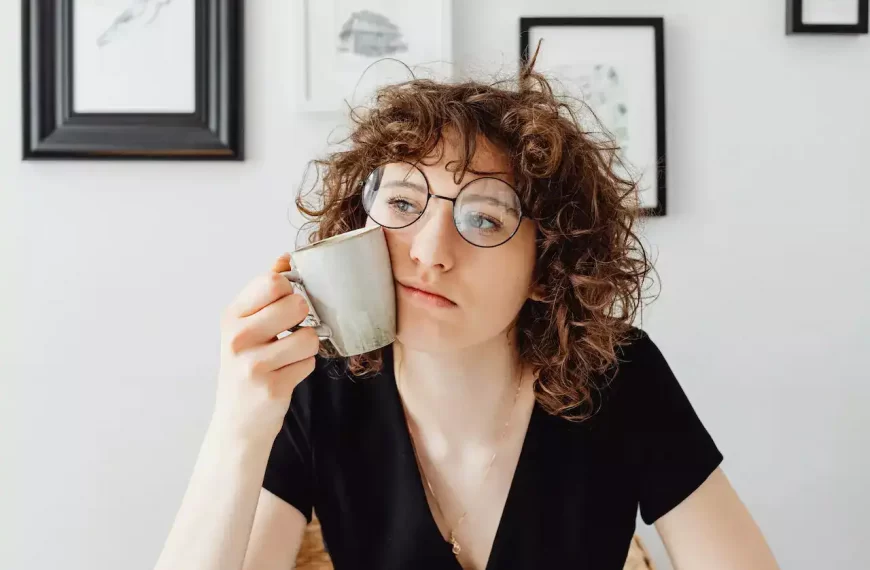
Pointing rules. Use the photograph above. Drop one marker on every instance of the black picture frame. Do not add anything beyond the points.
(794, 23)
(657, 24)
(53, 130)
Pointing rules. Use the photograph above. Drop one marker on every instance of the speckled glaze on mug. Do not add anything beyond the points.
(348, 281)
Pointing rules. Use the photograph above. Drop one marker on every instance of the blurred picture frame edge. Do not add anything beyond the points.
(658, 25)
(51, 130)
(794, 24)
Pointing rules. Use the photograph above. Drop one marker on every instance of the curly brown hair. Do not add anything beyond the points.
(590, 267)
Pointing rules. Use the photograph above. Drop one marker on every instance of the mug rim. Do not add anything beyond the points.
(336, 239)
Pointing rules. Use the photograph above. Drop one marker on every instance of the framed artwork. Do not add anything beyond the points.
(352, 47)
(827, 16)
(616, 67)
(132, 79)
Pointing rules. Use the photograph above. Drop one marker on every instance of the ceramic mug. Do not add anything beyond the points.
(347, 280)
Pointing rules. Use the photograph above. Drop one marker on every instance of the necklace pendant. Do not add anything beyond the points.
(456, 547)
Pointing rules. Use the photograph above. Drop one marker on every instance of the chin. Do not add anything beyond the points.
(423, 334)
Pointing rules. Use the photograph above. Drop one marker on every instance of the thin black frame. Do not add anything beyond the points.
(657, 23)
(52, 130)
(430, 195)
(794, 23)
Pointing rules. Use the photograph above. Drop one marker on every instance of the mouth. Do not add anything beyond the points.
(424, 296)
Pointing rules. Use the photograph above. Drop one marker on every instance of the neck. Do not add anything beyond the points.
(459, 396)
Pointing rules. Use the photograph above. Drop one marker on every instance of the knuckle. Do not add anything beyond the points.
(277, 285)
(239, 340)
(297, 308)
(226, 322)
(291, 377)
(226, 315)
(301, 304)
(310, 342)
(309, 365)
(231, 311)
(253, 366)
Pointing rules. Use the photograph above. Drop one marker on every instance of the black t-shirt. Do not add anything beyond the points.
(345, 452)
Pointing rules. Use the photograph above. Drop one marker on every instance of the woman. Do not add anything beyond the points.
(518, 421)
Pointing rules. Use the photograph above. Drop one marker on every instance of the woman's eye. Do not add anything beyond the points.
(401, 205)
(478, 221)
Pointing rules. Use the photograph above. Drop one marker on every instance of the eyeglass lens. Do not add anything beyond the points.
(486, 212)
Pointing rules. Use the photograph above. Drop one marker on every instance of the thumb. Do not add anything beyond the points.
(282, 263)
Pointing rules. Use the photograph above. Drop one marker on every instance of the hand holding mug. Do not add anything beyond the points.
(340, 288)
(258, 370)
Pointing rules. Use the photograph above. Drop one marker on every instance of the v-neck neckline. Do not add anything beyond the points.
(421, 501)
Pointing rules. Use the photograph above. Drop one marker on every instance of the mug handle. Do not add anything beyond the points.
(322, 329)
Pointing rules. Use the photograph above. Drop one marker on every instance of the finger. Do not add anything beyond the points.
(282, 263)
(294, 347)
(285, 380)
(267, 323)
(260, 292)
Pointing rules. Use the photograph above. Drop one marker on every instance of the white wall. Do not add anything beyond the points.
(113, 275)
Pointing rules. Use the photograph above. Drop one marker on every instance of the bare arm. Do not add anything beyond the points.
(276, 536)
(713, 530)
(213, 527)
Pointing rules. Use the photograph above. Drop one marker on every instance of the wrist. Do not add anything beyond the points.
(225, 436)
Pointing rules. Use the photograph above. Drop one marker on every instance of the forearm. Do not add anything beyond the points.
(713, 530)
(213, 525)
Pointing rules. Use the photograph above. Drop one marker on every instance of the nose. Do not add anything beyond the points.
(432, 245)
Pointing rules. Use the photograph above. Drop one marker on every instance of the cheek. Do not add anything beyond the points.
(398, 246)
(502, 282)
(513, 264)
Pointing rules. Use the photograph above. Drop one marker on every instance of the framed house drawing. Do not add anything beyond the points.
(352, 47)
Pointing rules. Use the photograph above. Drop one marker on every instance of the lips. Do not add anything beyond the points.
(426, 294)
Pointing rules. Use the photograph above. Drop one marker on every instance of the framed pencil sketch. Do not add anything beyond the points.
(352, 47)
(615, 66)
(827, 16)
(132, 79)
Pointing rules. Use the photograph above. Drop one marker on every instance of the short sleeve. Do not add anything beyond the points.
(671, 451)
(289, 471)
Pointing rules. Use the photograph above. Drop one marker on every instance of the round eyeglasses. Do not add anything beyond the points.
(487, 211)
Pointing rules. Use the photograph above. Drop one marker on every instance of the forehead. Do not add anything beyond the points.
(446, 160)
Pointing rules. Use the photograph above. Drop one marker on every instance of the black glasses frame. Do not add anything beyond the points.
(430, 195)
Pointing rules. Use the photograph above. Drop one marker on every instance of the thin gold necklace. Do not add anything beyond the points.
(452, 531)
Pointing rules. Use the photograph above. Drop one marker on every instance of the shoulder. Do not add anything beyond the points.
(642, 381)
(636, 347)
(668, 447)
(639, 363)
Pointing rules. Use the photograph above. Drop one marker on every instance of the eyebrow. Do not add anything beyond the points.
(405, 184)
(395, 183)
(492, 200)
